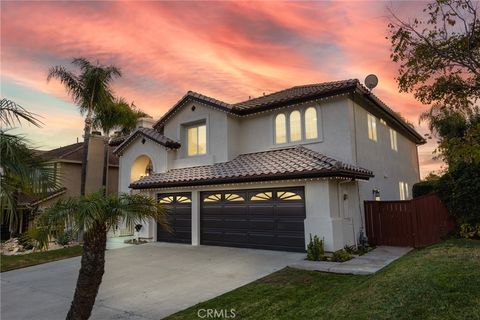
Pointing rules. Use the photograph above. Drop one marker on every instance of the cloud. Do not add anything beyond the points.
(229, 50)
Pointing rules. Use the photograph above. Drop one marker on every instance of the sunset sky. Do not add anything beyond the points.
(222, 49)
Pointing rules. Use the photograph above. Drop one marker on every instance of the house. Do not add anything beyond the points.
(271, 171)
(67, 162)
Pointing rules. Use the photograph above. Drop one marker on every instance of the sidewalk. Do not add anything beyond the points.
(369, 263)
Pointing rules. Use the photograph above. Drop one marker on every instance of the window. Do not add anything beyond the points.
(233, 197)
(197, 140)
(287, 195)
(372, 127)
(168, 199)
(280, 129)
(383, 122)
(311, 128)
(404, 192)
(262, 196)
(213, 198)
(393, 139)
(183, 199)
(295, 126)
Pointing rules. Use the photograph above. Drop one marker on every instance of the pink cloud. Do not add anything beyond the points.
(226, 50)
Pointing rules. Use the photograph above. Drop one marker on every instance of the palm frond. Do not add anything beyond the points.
(12, 113)
(69, 80)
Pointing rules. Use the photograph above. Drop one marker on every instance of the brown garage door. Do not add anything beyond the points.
(261, 218)
(179, 206)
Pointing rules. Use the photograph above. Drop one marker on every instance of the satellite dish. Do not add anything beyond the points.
(371, 81)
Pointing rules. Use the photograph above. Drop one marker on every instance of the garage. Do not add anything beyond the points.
(261, 218)
(179, 207)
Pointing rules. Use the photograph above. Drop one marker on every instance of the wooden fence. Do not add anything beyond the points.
(414, 223)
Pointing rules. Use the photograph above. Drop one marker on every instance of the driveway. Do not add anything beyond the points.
(149, 281)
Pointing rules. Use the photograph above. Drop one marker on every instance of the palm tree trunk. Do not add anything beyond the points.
(86, 140)
(91, 273)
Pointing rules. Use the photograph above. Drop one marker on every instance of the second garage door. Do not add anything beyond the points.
(260, 218)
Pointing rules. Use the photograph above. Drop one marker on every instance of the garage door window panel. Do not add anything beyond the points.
(261, 196)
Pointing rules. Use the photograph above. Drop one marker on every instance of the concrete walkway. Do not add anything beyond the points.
(142, 282)
(369, 263)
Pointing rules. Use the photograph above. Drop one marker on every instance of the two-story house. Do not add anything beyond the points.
(271, 171)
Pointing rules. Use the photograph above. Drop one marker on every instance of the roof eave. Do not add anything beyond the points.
(286, 176)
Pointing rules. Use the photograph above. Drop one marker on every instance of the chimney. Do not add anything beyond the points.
(145, 122)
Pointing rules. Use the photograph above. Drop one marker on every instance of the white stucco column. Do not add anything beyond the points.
(195, 218)
(318, 220)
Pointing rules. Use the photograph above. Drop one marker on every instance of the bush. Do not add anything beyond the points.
(341, 256)
(65, 238)
(315, 249)
(469, 231)
(459, 190)
(424, 187)
(359, 250)
(26, 241)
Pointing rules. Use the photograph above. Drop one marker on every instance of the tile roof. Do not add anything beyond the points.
(148, 133)
(291, 96)
(294, 93)
(289, 163)
(28, 200)
(74, 152)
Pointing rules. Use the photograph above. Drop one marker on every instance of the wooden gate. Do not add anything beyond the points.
(415, 223)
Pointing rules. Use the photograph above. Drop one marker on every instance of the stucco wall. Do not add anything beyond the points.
(153, 150)
(256, 132)
(217, 134)
(389, 166)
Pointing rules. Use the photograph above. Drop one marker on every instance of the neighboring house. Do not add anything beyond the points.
(271, 171)
(67, 162)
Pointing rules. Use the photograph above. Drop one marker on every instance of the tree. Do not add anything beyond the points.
(21, 170)
(439, 55)
(117, 114)
(96, 213)
(90, 90)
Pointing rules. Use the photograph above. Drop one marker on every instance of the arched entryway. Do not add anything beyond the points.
(141, 167)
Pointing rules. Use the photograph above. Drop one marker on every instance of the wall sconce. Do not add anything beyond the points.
(376, 194)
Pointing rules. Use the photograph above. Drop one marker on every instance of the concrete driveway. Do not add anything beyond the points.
(148, 281)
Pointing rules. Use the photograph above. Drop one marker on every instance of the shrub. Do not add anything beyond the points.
(26, 241)
(341, 256)
(315, 249)
(65, 238)
(424, 187)
(469, 231)
(459, 190)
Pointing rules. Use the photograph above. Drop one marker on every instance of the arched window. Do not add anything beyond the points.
(280, 129)
(295, 126)
(311, 127)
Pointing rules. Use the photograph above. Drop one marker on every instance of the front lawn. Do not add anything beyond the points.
(21, 261)
(438, 282)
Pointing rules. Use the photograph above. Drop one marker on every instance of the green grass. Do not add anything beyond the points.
(438, 282)
(21, 261)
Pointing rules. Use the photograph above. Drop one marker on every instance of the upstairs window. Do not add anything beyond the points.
(197, 140)
(372, 127)
(295, 126)
(393, 139)
(280, 129)
(311, 128)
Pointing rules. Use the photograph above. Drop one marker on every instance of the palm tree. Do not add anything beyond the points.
(117, 114)
(21, 170)
(91, 91)
(97, 213)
